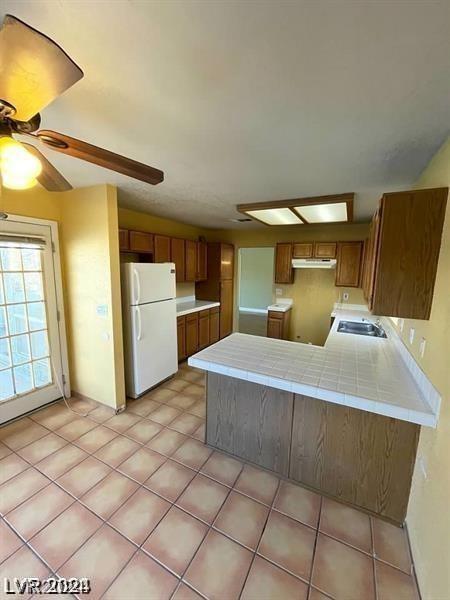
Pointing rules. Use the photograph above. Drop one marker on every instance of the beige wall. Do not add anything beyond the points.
(429, 506)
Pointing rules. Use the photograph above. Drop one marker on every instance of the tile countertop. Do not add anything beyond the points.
(191, 305)
(353, 370)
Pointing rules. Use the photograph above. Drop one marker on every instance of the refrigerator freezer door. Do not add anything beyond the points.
(148, 282)
(153, 345)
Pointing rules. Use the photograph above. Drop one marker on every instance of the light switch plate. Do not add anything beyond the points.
(423, 343)
(412, 331)
(278, 292)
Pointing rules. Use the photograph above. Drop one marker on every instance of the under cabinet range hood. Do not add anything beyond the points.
(314, 263)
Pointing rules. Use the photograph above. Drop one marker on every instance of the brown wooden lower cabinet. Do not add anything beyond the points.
(214, 325)
(197, 331)
(359, 458)
(278, 324)
(181, 337)
(203, 329)
(191, 334)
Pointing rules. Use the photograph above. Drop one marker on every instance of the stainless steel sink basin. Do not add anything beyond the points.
(371, 329)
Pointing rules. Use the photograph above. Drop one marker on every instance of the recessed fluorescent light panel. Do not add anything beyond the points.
(275, 216)
(323, 213)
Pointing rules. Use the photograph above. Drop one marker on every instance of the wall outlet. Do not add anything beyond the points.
(278, 292)
(423, 467)
(412, 331)
(401, 324)
(423, 343)
(345, 296)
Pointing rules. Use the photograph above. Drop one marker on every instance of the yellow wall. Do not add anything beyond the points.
(428, 512)
(35, 202)
(313, 291)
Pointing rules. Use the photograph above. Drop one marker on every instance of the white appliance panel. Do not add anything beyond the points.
(148, 282)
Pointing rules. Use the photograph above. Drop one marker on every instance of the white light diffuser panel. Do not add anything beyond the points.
(323, 213)
(275, 216)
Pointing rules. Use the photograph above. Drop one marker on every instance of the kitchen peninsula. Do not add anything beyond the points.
(343, 419)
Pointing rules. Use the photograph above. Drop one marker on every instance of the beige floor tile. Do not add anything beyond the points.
(61, 461)
(109, 494)
(341, 571)
(170, 480)
(36, 512)
(10, 541)
(289, 544)
(192, 453)
(53, 416)
(391, 545)
(268, 582)
(95, 439)
(200, 433)
(165, 415)
(161, 395)
(23, 563)
(143, 431)
(117, 450)
(243, 519)
(182, 401)
(298, 503)
(193, 377)
(184, 592)
(198, 391)
(198, 409)
(222, 468)
(203, 498)
(141, 464)
(392, 583)
(142, 577)
(42, 448)
(10, 466)
(63, 536)
(219, 568)
(101, 414)
(257, 484)
(177, 385)
(4, 450)
(142, 406)
(316, 595)
(175, 540)
(186, 423)
(20, 488)
(82, 406)
(122, 421)
(75, 429)
(140, 514)
(100, 559)
(83, 476)
(346, 524)
(21, 432)
(166, 442)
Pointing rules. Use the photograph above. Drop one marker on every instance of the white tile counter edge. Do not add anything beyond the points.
(430, 396)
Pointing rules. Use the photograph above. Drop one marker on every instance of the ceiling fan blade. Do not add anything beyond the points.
(50, 177)
(34, 70)
(99, 156)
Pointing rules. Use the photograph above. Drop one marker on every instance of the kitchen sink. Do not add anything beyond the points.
(365, 328)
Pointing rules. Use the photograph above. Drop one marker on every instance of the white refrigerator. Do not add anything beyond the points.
(150, 325)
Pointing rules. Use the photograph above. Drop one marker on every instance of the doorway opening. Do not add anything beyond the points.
(256, 266)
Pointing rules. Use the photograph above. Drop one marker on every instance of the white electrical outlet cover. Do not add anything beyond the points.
(423, 343)
(412, 331)
(278, 292)
(401, 323)
(345, 296)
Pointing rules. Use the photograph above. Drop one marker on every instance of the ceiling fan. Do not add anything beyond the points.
(34, 71)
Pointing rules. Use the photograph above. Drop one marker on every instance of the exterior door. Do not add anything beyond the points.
(31, 372)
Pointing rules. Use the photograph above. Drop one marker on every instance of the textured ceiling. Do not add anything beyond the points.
(249, 101)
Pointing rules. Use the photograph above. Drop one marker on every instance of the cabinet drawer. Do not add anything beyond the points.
(275, 314)
(181, 320)
(203, 314)
(192, 318)
(214, 310)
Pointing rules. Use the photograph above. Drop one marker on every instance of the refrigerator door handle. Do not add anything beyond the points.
(139, 324)
(138, 286)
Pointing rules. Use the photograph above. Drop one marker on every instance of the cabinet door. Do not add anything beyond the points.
(191, 260)
(226, 307)
(284, 272)
(226, 261)
(348, 265)
(191, 334)
(303, 250)
(325, 249)
(178, 256)
(203, 329)
(181, 337)
(161, 245)
(275, 328)
(140, 241)
(201, 261)
(214, 325)
(124, 240)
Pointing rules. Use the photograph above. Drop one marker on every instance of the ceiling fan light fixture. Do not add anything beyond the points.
(19, 169)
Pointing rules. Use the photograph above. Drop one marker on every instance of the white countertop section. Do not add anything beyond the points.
(281, 305)
(191, 306)
(353, 370)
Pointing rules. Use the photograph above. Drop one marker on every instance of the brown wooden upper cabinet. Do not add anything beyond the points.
(141, 242)
(202, 270)
(161, 248)
(302, 250)
(348, 264)
(403, 253)
(124, 240)
(325, 249)
(191, 260)
(284, 273)
(178, 256)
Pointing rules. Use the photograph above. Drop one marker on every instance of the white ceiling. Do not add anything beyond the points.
(249, 101)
